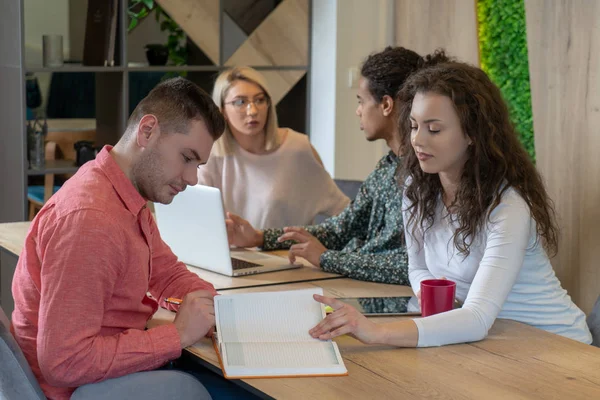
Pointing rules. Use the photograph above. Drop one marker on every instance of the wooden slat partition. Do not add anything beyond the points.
(564, 63)
(281, 39)
(425, 25)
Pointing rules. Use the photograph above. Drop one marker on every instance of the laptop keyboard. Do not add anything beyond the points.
(238, 264)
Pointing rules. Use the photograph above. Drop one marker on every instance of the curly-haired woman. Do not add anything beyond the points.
(476, 212)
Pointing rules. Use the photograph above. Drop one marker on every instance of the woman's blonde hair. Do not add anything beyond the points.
(223, 83)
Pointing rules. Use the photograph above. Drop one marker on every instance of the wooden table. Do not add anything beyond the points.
(12, 237)
(515, 361)
(303, 274)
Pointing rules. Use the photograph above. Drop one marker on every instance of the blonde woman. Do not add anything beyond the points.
(271, 176)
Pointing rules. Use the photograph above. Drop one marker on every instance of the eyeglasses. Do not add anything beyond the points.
(241, 105)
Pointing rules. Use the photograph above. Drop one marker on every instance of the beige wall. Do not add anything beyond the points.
(361, 29)
(344, 33)
(43, 20)
(77, 20)
(564, 63)
(425, 25)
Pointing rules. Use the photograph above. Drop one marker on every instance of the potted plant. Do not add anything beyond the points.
(175, 46)
(157, 54)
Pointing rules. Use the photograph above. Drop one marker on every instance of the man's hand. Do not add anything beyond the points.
(241, 234)
(307, 245)
(196, 317)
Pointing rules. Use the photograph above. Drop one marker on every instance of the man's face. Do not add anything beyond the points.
(169, 162)
(370, 112)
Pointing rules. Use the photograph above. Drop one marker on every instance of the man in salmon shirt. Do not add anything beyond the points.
(94, 268)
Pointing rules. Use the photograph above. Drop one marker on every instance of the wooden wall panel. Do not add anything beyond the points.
(425, 25)
(564, 63)
(281, 39)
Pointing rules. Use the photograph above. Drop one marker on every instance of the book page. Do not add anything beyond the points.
(280, 355)
(268, 317)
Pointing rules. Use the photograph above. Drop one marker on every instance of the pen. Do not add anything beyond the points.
(173, 300)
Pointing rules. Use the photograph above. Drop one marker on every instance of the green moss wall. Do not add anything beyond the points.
(503, 47)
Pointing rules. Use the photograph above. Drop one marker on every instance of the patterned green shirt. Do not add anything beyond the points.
(366, 240)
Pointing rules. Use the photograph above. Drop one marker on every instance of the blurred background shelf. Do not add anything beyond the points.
(85, 102)
(55, 167)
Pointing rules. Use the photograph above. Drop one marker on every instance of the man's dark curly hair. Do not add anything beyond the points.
(387, 70)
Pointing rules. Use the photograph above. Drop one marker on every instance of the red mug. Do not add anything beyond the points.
(437, 296)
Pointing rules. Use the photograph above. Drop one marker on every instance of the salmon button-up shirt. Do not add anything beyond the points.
(81, 287)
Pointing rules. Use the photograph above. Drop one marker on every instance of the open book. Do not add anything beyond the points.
(266, 335)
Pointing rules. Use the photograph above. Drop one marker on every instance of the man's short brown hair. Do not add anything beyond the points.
(175, 102)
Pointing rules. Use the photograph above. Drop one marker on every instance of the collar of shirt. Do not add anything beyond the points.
(123, 186)
(392, 158)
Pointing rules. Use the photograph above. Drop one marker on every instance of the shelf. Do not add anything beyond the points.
(175, 68)
(55, 167)
(75, 68)
(118, 88)
(71, 124)
(216, 68)
(160, 68)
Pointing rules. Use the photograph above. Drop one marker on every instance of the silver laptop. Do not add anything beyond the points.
(193, 225)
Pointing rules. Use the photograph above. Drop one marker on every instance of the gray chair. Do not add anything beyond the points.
(349, 187)
(593, 321)
(17, 381)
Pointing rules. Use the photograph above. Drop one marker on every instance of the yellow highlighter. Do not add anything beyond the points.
(328, 310)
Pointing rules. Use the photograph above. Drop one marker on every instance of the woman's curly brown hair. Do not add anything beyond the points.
(496, 159)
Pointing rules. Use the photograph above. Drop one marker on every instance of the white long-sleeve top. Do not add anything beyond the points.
(287, 187)
(507, 275)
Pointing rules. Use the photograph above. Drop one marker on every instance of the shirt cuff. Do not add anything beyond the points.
(270, 240)
(166, 342)
(329, 262)
(205, 285)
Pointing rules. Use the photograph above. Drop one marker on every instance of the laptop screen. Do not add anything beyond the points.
(193, 226)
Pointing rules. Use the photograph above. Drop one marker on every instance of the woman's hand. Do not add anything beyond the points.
(241, 234)
(345, 319)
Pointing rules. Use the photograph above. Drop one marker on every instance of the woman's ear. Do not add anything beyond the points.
(387, 105)
(223, 113)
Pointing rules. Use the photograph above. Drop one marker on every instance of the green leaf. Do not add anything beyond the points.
(143, 13)
(132, 24)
